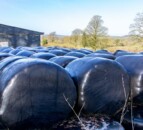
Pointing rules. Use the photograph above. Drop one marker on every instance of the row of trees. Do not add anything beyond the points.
(95, 32)
(137, 27)
(95, 35)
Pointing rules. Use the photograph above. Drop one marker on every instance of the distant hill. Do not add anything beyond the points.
(120, 37)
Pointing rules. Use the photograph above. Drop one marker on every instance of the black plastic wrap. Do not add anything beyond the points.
(7, 50)
(123, 53)
(43, 55)
(7, 61)
(4, 63)
(73, 49)
(134, 67)
(65, 49)
(75, 54)
(28, 49)
(58, 52)
(108, 56)
(14, 51)
(102, 52)
(118, 51)
(25, 53)
(39, 47)
(3, 48)
(102, 84)
(63, 60)
(33, 94)
(83, 51)
(4, 55)
(42, 50)
(133, 120)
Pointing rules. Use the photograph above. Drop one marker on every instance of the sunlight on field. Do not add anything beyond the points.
(129, 47)
(135, 48)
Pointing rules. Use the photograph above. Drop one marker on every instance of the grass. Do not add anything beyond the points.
(137, 47)
(130, 48)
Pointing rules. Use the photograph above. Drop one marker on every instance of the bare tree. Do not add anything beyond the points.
(84, 40)
(95, 31)
(52, 36)
(76, 33)
(136, 29)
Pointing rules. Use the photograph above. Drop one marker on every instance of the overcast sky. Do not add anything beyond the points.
(63, 16)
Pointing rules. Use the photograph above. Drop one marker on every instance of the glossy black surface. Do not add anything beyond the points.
(25, 53)
(102, 52)
(82, 51)
(7, 50)
(134, 67)
(65, 49)
(58, 52)
(8, 60)
(43, 55)
(123, 53)
(118, 51)
(108, 56)
(4, 55)
(100, 84)
(42, 50)
(3, 48)
(33, 93)
(63, 60)
(3, 64)
(136, 119)
(14, 51)
(76, 54)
